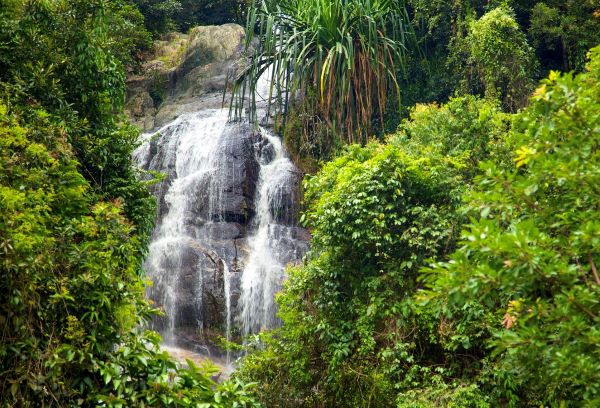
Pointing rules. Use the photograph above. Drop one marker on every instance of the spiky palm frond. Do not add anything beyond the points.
(348, 50)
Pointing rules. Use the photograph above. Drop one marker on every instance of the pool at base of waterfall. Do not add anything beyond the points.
(182, 355)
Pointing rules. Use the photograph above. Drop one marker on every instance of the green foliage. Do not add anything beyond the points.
(65, 56)
(444, 395)
(529, 256)
(159, 15)
(209, 12)
(71, 299)
(35, 23)
(501, 60)
(436, 72)
(351, 334)
(506, 316)
(75, 221)
(450, 48)
(346, 51)
(467, 128)
(564, 31)
(163, 16)
(561, 33)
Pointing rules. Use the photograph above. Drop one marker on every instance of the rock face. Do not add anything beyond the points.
(186, 73)
(228, 200)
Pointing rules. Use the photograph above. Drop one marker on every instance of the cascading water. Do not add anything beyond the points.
(225, 229)
(190, 147)
(264, 272)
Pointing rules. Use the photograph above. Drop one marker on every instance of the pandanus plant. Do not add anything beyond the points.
(346, 53)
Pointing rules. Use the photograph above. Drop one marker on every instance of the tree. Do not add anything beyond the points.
(159, 15)
(163, 16)
(347, 52)
(75, 222)
(564, 31)
(350, 335)
(71, 298)
(392, 307)
(209, 12)
(500, 59)
(65, 56)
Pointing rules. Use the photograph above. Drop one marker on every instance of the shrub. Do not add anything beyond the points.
(501, 59)
(71, 298)
(529, 256)
(75, 221)
(376, 214)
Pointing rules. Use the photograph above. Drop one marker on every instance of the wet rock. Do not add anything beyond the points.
(186, 73)
(239, 171)
(267, 153)
(284, 209)
(225, 230)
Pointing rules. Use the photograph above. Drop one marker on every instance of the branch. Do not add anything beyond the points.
(594, 270)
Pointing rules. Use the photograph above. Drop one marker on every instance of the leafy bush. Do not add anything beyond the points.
(467, 128)
(507, 316)
(159, 15)
(529, 256)
(163, 16)
(502, 61)
(71, 299)
(561, 33)
(564, 31)
(75, 221)
(209, 12)
(444, 395)
(65, 57)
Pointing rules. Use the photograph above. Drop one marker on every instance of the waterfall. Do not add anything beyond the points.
(226, 227)
(190, 147)
(264, 272)
(227, 288)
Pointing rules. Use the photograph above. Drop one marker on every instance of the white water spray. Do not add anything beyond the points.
(265, 270)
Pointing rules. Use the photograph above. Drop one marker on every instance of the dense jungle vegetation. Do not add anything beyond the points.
(454, 251)
(75, 220)
(454, 205)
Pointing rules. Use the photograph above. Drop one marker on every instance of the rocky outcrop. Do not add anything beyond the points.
(185, 73)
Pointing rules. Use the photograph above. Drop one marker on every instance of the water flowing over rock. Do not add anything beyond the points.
(226, 221)
(273, 243)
